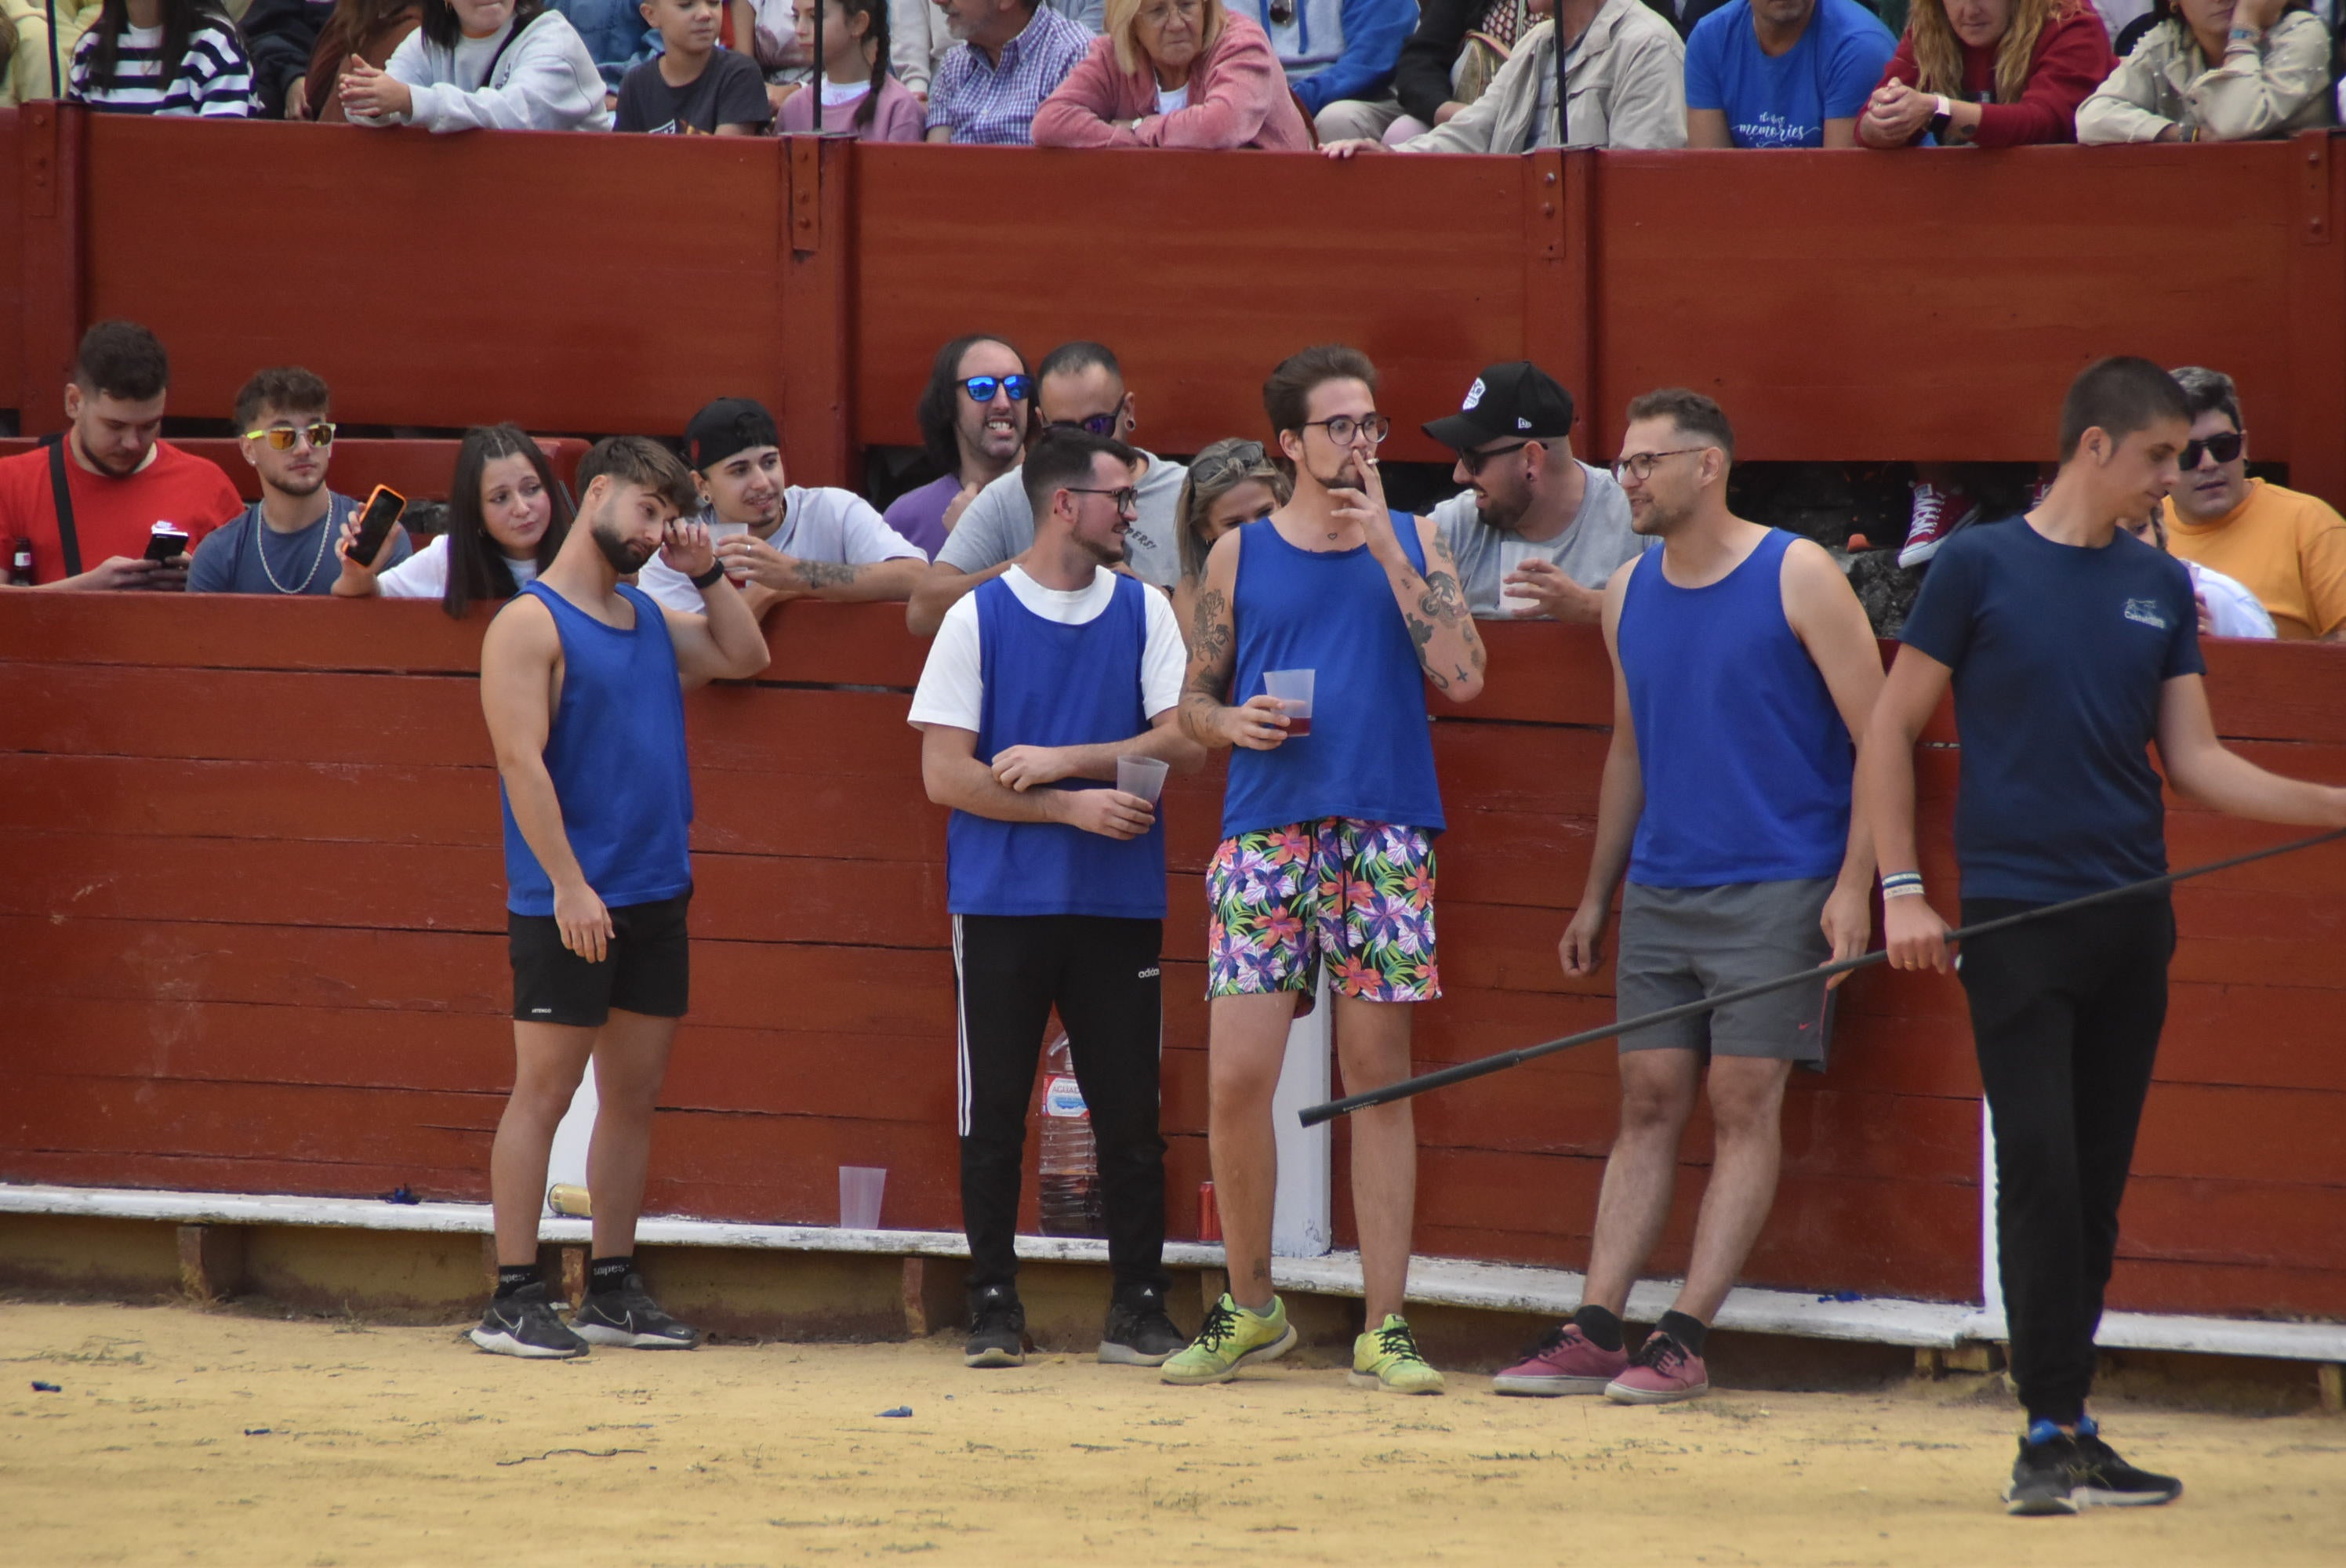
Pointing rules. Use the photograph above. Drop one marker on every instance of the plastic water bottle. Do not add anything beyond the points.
(1069, 1164)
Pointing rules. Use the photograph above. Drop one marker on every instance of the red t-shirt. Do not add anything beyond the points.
(111, 516)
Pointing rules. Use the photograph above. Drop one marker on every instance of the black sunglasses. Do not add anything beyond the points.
(1125, 497)
(2224, 448)
(1473, 462)
(981, 388)
(1091, 425)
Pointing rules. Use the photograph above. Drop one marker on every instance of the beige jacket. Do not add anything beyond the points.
(2271, 89)
(1626, 87)
(25, 71)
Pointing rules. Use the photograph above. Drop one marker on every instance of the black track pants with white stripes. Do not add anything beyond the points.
(1102, 975)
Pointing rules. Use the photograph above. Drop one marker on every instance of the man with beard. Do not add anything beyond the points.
(779, 541)
(282, 543)
(972, 419)
(86, 501)
(1537, 533)
(1037, 684)
(581, 680)
(1327, 850)
(1743, 666)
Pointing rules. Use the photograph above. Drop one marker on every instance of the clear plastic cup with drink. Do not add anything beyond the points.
(1141, 776)
(1291, 689)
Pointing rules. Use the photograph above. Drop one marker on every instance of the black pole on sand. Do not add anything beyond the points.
(1314, 1116)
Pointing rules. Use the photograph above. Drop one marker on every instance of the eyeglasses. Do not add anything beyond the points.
(1640, 466)
(1090, 424)
(1473, 462)
(2224, 448)
(280, 437)
(981, 388)
(1345, 429)
(1128, 499)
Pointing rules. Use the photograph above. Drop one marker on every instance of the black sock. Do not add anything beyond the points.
(608, 1273)
(1602, 1329)
(1688, 1332)
(512, 1276)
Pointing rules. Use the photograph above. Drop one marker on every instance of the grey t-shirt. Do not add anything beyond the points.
(1598, 542)
(997, 525)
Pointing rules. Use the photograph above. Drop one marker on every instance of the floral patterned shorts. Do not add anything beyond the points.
(1357, 895)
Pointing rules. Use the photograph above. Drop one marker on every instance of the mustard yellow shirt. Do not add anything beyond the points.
(2289, 548)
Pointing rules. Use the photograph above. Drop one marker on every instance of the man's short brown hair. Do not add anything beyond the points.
(1287, 394)
(123, 359)
(288, 389)
(638, 460)
(1692, 412)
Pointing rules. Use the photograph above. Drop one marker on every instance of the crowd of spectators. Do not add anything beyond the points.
(1346, 75)
(1536, 532)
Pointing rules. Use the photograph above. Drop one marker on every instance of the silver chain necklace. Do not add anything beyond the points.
(260, 548)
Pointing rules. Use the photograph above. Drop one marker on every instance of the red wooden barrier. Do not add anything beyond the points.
(1843, 305)
(250, 939)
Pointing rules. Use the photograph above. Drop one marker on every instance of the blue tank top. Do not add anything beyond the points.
(1745, 758)
(616, 752)
(1371, 750)
(1051, 684)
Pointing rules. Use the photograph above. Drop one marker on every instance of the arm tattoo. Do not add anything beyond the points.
(1442, 599)
(825, 574)
(1209, 629)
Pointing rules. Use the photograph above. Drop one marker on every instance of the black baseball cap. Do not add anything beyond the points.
(728, 425)
(1518, 398)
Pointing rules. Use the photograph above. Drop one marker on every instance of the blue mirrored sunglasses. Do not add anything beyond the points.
(981, 388)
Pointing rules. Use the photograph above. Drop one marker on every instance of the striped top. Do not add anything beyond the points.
(214, 79)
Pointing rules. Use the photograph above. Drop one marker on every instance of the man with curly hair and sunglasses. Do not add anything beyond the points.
(284, 542)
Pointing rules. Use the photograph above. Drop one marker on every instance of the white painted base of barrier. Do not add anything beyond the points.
(1439, 1281)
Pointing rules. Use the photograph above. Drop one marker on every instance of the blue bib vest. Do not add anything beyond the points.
(1745, 758)
(616, 752)
(1050, 684)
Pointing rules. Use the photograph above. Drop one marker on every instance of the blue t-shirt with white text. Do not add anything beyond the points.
(1785, 100)
(2059, 654)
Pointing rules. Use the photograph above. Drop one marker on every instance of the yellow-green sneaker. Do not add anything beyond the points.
(1386, 1357)
(1231, 1338)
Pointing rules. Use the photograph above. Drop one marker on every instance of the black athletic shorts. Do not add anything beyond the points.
(645, 969)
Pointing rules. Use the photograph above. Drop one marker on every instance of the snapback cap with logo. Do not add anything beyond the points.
(1516, 399)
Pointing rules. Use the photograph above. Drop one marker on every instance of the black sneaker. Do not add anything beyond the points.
(997, 1328)
(524, 1324)
(1138, 1331)
(2100, 1479)
(629, 1317)
(2041, 1477)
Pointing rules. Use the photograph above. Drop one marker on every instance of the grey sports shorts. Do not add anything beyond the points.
(1683, 945)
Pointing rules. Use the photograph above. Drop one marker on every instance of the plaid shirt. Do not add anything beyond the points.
(995, 105)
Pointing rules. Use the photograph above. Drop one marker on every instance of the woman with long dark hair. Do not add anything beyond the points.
(368, 30)
(162, 57)
(859, 94)
(507, 517)
(483, 64)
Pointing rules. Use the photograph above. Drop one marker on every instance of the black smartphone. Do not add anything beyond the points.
(166, 542)
(381, 510)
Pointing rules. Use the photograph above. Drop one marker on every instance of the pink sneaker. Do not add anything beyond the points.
(1662, 1373)
(1937, 514)
(1565, 1362)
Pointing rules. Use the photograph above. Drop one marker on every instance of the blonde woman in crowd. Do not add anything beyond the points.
(1230, 482)
(1989, 72)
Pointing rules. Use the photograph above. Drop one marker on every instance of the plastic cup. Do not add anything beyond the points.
(1293, 691)
(858, 1196)
(1141, 776)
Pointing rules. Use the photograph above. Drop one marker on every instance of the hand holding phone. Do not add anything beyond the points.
(365, 540)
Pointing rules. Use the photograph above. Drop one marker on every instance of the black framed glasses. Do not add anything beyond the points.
(1640, 466)
(2224, 448)
(1473, 462)
(1343, 430)
(981, 388)
(280, 437)
(1090, 424)
(1127, 498)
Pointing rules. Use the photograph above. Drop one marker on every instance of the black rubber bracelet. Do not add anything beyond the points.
(708, 580)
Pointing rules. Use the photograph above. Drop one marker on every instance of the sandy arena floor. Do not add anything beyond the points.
(189, 1437)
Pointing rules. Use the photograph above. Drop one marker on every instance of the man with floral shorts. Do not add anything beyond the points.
(1327, 853)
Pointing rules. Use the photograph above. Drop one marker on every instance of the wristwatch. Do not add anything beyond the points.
(1942, 117)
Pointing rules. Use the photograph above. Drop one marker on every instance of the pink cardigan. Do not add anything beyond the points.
(897, 117)
(1238, 97)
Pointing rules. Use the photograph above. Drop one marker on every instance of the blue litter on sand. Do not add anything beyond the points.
(899, 1410)
(1844, 1295)
(42, 1388)
(258, 1431)
(401, 1195)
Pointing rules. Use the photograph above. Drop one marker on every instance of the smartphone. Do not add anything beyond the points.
(166, 542)
(383, 507)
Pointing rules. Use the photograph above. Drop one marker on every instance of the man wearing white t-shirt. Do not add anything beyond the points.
(777, 541)
(1039, 682)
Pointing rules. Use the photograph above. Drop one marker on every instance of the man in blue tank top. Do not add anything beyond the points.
(1742, 666)
(2072, 651)
(581, 680)
(1327, 826)
(1040, 682)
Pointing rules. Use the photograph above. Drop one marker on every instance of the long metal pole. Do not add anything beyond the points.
(1478, 1068)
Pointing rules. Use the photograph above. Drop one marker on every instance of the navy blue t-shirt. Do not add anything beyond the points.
(2059, 653)
(230, 560)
